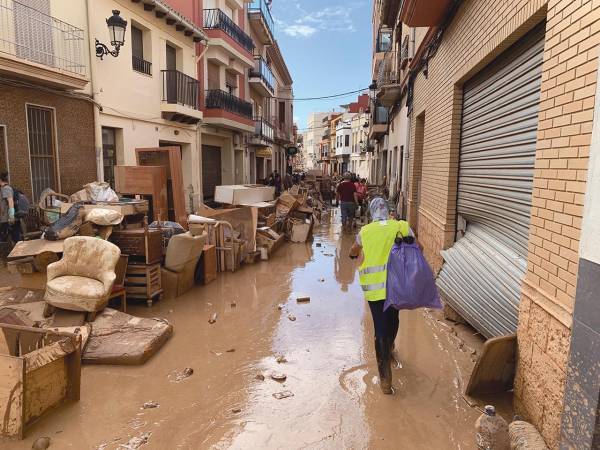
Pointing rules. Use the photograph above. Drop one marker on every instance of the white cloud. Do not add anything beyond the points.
(299, 30)
(336, 18)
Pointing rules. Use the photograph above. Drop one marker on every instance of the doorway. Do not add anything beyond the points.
(211, 170)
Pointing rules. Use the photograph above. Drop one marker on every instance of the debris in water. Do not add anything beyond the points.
(41, 443)
(233, 304)
(170, 311)
(213, 318)
(260, 377)
(181, 375)
(150, 405)
(283, 394)
(321, 280)
(318, 244)
(236, 410)
(231, 350)
(280, 306)
(281, 359)
(216, 353)
(278, 376)
(136, 442)
(302, 298)
(292, 317)
(327, 254)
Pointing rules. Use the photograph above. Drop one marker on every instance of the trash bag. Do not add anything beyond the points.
(66, 226)
(410, 282)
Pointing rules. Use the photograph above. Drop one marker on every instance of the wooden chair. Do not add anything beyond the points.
(118, 290)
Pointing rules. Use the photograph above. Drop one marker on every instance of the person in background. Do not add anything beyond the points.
(9, 225)
(347, 198)
(277, 182)
(375, 242)
(361, 191)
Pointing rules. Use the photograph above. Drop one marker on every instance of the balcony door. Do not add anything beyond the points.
(33, 31)
(171, 75)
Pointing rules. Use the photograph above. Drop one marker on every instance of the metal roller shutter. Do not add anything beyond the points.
(482, 273)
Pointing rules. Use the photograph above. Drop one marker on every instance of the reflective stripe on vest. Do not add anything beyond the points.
(373, 287)
(373, 269)
(377, 240)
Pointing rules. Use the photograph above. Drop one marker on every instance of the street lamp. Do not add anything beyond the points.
(116, 29)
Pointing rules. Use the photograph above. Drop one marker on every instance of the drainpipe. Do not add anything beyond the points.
(406, 155)
(97, 107)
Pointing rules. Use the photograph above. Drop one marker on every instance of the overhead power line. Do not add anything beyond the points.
(296, 99)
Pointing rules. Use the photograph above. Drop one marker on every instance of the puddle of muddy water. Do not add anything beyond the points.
(330, 369)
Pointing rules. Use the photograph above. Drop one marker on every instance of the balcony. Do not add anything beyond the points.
(180, 97)
(141, 65)
(263, 132)
(388, 80)
(261, 77)
(379, 121)
(40, 48)
(228, 111)
(215, 19)
(262, 21)
(388, 12)
(283, 132)
(420, 13)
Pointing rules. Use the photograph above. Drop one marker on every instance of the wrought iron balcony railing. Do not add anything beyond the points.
(388, 70)
(218, 99)
(263, 129)
(180, 88)
(141, 65)
(262, 7)
(35, 36)
(263, 71)
(217, 19)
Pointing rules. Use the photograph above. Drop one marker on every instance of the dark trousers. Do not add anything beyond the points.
(14, 231)
(386, 323)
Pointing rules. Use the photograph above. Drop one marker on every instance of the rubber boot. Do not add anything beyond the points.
(394, 355)
(382, 351)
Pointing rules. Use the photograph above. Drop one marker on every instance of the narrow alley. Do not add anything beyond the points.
(330, 369)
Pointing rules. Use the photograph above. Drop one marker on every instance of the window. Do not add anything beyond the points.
(384, 41)
(139, 63)
(281, 113)
(42, 154)
(109, 154)
(347, 141)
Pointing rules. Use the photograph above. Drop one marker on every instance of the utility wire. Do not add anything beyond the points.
(296, 99)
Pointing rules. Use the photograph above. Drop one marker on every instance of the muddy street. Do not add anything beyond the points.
(328, 359)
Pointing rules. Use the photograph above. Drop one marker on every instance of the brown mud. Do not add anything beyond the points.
(329, 364)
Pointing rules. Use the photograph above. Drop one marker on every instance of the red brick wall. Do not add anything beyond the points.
(75, 136)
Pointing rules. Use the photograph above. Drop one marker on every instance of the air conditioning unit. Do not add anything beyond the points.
(237, 140)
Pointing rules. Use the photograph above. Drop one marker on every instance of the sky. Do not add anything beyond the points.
(327, 47)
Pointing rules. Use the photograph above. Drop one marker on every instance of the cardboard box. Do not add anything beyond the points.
(209, 263)
(244, 194)
(299, 231)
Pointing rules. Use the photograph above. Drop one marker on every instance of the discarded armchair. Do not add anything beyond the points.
(183, 253)
(83, 279)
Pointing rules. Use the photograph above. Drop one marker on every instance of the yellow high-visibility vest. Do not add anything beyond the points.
(377, 239)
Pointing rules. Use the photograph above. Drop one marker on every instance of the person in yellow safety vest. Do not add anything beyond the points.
(376, 240)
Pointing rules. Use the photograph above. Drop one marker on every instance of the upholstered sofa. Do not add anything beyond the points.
(83, 279)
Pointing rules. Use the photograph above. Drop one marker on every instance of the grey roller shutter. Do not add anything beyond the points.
(482, 272)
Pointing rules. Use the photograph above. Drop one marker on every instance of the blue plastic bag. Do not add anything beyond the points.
(410, 282)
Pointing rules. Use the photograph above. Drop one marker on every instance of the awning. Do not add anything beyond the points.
(264, 152)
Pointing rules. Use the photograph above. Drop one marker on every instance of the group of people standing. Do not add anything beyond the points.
(351, 193)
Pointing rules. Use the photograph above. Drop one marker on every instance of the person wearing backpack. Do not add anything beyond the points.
(9, 222)
(375, 242)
